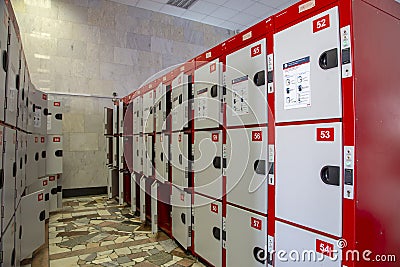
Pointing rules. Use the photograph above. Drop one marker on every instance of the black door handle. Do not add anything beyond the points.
(259, 78)
(259, 254)
(330, 175)
(329, 59)
(259, 167)
(183, 218)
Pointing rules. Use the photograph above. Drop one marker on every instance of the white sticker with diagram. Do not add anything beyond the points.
(37, 121)
(296, 80)
(240, 96)
(202, 104)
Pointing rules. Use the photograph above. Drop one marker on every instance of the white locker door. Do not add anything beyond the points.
(10, 172)
(21, 166)
(53, 193)
(2, 178)
(3, 49)
(33, 159)
(121, 152)
(121, 117)
(307, 247)
(245, 232)
(133, 192)
(43, 156)
(148, 156)
(109, 183)
(54, 118)
(136, 153)
(148, 112)
(121, 187)
(208, 163)
(59, 191)
(143, 198)
(22, 94)
(42, 184)
(115, 151)
(247, 168)
(208, 96)
(308, 176)
(54, 163)
(8, 245)
(154, 207)
(33, 223)
(137, 115)
(246, 90)
(115, 118)
(181, 216)
(44, 112)
(180, 159)
(160, 108)
(180, 102)
(12, 85)
(208, 229)
(308, 78)
(18, 235)
(161, 154)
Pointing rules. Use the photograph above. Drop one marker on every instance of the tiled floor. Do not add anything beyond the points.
(95, 231)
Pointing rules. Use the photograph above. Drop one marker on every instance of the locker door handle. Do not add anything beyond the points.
(54, 191)
(5, 61)
(214, 90)
(259, 78)
(46, 197)
(58, 116)
(13, 257)
(329, 59)
(180, 99)
(259, 167)
(17, 81)
(180, 159)
(44, 155)
(20, 232)
(259, 254)
(36, 156)
(14, 169)
(46, 112)
(162, 156)
(1, 178)
(42, 216)
(217, 162)
(59, 153)
(330, 175)
(216, 233)
(183, 218)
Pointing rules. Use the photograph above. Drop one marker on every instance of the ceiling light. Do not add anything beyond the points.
(182, 3)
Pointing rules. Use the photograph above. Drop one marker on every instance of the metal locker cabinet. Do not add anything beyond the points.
(10, 172)
(148, 112)
(3, 50)
(143, 198)
(245, 232)
(54, 117)
(180, 102)
(161, 154)
(160, 108)
(108, 121)
(32, 222)
(308, 78)
(314, 176)
(43, 156)
(33, 157)
(246, 89)
(247, 168)
(12, 83)
(59, 191)
(53, 193)
(180, 159)
(138, 115)
(148, 155)
(154, 208)
(137, 157)
(21, 164)
(208, 163)
(22, 94)
(208, 96)
(208, 229)
(39, 185)
(181, 216)
(54, 148)
(290, 238)
(133, 192)
(8, 245)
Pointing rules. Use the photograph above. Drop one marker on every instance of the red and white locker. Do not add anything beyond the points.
(33, 159)
(54, 117)
(42, 184)
(181, 214)
(180, 102)
(54, 148)
(160, 108)
(161, 156)
(21, 160)
(42, 156)
(53, 193)
(148, 110)
(148, 155)
(180, 159)
(22, 117)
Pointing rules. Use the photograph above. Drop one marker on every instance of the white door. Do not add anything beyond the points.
(53, 193)
(247, 168)
(21, 166)
(54, 118)
(148, 156)
(8, 245)
(208, 229)
(161, 153)
(181, 216)
(33, 159)
(246, 86)
(308, 78)
(10, 169)
(309, 177)
(137, 115)
(154, 207)
(54, 163)
(160, 108)
(143, 198)
(180, 102)
(148, 112)
(137, 155)
(22, 94)
(208, 95)
(43, 156)
(180, 159)
(3, 49)
(208, 163)
(245, 232)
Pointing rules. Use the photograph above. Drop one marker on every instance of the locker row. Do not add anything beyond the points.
(260, 145)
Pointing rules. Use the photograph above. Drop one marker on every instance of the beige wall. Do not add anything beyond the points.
(96, 47)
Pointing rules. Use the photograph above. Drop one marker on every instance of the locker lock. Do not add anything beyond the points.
(42, 216)
(44, 154)
(214, 90)
(329, 59)
(58, 116)
(59, 153)
(217, 163)
(46, 112)
(37, 156)
(54, 191)
(217, 234)
(20, 232)
(330, 175)
(1, 178)
(5, 61)
(259, 254)
(259, 78)
(14, 169)
(183, 218)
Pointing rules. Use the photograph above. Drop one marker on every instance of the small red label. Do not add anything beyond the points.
(215, 137)
(325, 134)
(160, 137)
(45, 182)
(57, 104)
(1, 137)
(56, 139)
(256, 50)
(256, 223)
(179, 138)
(214, 208)
(36, 139)
(256, 136)
(182, 197)
(44, 97)
(213, 67)
(40, 197)
(52, 178)
(321, 23)
(324, 248)
(42, 139)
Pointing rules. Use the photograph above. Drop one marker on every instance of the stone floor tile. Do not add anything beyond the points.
(65, 262)
(123, 251)
(160, 258)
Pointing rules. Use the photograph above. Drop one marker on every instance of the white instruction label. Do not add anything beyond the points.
(202, 104)
(37, 120)
(296, 80)
(12, 100)
(48, 123)
(240, 95)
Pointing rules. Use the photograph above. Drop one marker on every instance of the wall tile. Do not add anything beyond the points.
(138, 42)
(161, 45)
(83, 142)
(72, 13)
(73, 123)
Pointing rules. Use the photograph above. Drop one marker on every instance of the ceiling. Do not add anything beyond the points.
(229, 14)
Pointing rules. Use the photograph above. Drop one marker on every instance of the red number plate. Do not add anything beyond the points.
(256, 136)
(215, 137)
(325, 134)
(40, 197)
(321, 23)
(255, 51)
(256, 223)
(45, 182)
(42, 139)
(36, 139)
(213, 67)
(324, 248)
(214, 208)
(52, 178)
(44, 97)
(56, 139)
(57, 104)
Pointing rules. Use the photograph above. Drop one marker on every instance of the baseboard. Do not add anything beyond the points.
(87, 191)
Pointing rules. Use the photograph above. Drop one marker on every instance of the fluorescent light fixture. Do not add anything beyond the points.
(41, 56)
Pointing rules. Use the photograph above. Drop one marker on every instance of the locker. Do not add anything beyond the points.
(307, 248)
(208, 163)
(181, 217)
(148, 112)
(143, 198)
(109, 183)
(120, 187)
(160, 108)
(18, 234)
(308, 78)
(108, 121)
(246, 93)
(54, 148)
(154, 208)
(12, 83)
(138, 154)
(10, 172)
(115, 118)
(43, 156)
(245, 232)
(21, 160)
(8, 245)
(138, 115)
(33, 159)
(33, 219)
(180, 102)
(53, 193)
(208, 229)
(54, 116)
(37, 111)
(121, 145)
(148, 155)
(59, 191)
(42, 102)
(121, 114)
(3, 50)
(208, 96)
(180, 159)
(314, 176)
(133, 192)
(247, 168)
(22, 95)
(128, 141)
(113, 181)
(1, 161)
(115, 151)
(161, 155)
(42, 184)
(109, 150)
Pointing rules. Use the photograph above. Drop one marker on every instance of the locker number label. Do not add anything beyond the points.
(36, 139)
(44, 97)
(214, 208)
(321, 24)
(56, 139)
(57, 104)
(324, 248)
(256, 223)
(52, 178)
(256, 50)
(213, 67)
(215, 137)
(256, 136)
(42, 139)
(45, 182)
(40, 197)
(325, 134)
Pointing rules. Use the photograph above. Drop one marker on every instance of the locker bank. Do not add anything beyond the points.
(199, 133)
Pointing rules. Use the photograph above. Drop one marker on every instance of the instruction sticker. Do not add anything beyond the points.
(240, 92)
(296, 80)
(202, 107)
